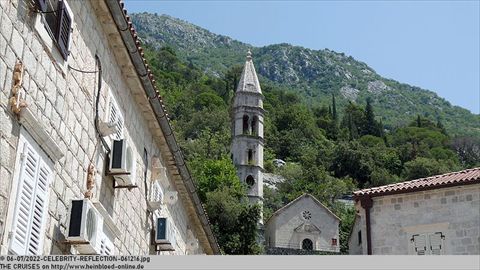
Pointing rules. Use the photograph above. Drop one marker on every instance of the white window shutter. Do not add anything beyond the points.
(26, 188)
(436, 243)
(116, 117)
(157, 192)
(420, 244)
(39, 211)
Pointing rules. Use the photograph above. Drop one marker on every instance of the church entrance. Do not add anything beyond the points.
(307, 244)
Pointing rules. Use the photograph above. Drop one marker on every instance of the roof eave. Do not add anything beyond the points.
(417, 189)
(132, 45)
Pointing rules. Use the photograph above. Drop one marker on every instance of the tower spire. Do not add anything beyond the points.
(249, 79)
(247, 143)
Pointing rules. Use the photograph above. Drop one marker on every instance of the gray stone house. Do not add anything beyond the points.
(88, 160)
(303, 224)
(438, 215)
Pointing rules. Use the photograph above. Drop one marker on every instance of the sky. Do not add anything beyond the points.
(431, 44)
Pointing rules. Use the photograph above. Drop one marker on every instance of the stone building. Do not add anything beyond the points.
(83, 128)
(303, 224)
(247, 132)
(429, 216)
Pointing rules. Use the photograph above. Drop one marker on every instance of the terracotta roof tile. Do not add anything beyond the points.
(449, 179)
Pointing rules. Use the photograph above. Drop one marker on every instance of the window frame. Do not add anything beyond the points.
(25, 139)
(113, 103)
(428, 243)
(48, 39)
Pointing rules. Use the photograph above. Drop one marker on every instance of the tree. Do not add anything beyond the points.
(372, 127)
(468, 150)
(423, 167)
(233, 219)
(440, 126)
(353, 120)
(334, 108)
(272, 201)
(346, 213)
(211, 175)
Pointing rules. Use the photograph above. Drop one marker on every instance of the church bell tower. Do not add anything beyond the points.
(247, 129)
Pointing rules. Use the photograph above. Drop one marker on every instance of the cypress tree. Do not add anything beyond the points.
(371, 126)
(419, 121)
(334, 108)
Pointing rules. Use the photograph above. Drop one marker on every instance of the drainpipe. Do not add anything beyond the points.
(367, 202)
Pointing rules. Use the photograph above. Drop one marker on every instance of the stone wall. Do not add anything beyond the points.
(356, 238)
(63, 101)
(455, 212)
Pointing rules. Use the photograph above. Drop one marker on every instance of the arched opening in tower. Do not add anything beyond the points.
(254, 125)
(250, 181)
(250, 157)
(245, 124)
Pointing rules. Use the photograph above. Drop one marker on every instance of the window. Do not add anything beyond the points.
(115, 116)
(334, 241)
(254, 125)
(359, 237)
(307, 244)
(250, 181)
(31, 205)
(245, 124)
(250, 157)
(306, 215)
(57, 19)
(428, 244)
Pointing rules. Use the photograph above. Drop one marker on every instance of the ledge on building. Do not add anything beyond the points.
(37, 130)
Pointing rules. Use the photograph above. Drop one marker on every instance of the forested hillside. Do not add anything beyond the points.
(329, 151)
(312, 74)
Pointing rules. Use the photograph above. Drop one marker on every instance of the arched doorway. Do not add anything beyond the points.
(307, 244)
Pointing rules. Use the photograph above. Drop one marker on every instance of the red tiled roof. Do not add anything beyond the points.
(469, 176)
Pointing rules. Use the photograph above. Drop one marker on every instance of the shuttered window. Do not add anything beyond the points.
(436, 243)
(420, 244)
(115, 116)
(64, 24)
(428, 243)
(31, 201)
(157, 192)
(58, 19)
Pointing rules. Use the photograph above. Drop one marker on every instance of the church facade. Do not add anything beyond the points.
(303, 224)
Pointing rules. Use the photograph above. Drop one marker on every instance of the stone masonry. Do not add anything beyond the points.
(63, 101)
(453, 211)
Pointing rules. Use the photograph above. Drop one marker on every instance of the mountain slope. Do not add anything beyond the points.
(314, 74)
